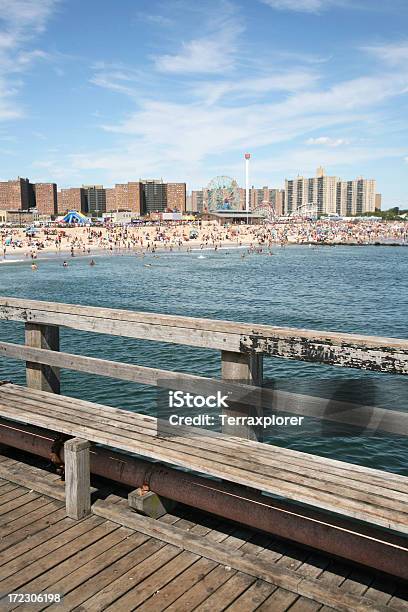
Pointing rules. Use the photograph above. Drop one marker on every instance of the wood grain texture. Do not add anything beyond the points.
(42, 376)
(334, 348)
(239, 461)
(77, 478)
(368, 417)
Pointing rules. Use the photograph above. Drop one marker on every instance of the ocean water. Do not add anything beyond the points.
(350, 289)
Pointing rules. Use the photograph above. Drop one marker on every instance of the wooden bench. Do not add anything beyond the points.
(367, 495)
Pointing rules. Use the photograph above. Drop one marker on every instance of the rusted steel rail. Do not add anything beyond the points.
(364, 545)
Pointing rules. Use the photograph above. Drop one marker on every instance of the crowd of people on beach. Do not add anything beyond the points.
(190, 236)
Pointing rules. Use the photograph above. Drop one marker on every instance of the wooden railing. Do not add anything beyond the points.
(242, 347)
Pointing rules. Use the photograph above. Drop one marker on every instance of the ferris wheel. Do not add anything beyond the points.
(267, 209)
(222, 193)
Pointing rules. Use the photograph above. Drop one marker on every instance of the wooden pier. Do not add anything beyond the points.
(256, 526)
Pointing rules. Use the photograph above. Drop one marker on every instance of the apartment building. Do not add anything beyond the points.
(324, 195)
(95, 200)
(125, 197)
(154, 196)
(355, 197)
(110, 194)
(46, 198)
(176, 196)
(16, 195)
(265, 196)
(72, 198)
(197, 201)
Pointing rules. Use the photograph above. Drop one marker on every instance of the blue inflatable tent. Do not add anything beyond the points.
(76, 217)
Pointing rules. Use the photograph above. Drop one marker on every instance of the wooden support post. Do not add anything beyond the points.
(38, 376)
(77, 478)
(247, 369)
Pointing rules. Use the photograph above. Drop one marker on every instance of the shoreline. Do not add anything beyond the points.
(96, 241)
(51, 255)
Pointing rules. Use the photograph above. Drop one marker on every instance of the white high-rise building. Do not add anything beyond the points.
(324, 195)
(355, 197)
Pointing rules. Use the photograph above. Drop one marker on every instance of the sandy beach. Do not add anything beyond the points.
(80, 241)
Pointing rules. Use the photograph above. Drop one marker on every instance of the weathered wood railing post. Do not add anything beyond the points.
(77, 478)
(39, 376)
(243, 368)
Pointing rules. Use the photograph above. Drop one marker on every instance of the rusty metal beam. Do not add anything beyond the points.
(361, 544)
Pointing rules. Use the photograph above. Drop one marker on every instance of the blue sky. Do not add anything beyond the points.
(99, 91)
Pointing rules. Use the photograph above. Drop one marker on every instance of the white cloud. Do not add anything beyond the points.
(212, 53)
(118, 77)
(198, 56)
(155, 19)
(393, 54)
(327, 141)
(306, 6)
(288, 81)
(21, 21)
(304, 161)
(21, 14)
(281, 104)
(199, 133)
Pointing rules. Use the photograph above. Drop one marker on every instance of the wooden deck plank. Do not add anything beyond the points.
(314, 566)
(75, 565)
(161, 599)
(357, 582)
(202, 590)
(252, 598)
(335, 574)
(252, 565)
(34, 478)
(399, 600)
(110, 537)
(134, 576)
(84, 566)
(279, 601)
(227, 593)
(305, 605)
(11, 495)
(22, 511)
(145, 589)
(363, 510)
(31, 571)
(92, 578)
(7, 486)
(33, 523)
(381, 589)
(45, 543)
(17, 505)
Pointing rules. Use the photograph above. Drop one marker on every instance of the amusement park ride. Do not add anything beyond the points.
(223, 193)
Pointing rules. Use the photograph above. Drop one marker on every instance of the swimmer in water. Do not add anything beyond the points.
(65, 265)
(92, 262)
(34, 267)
